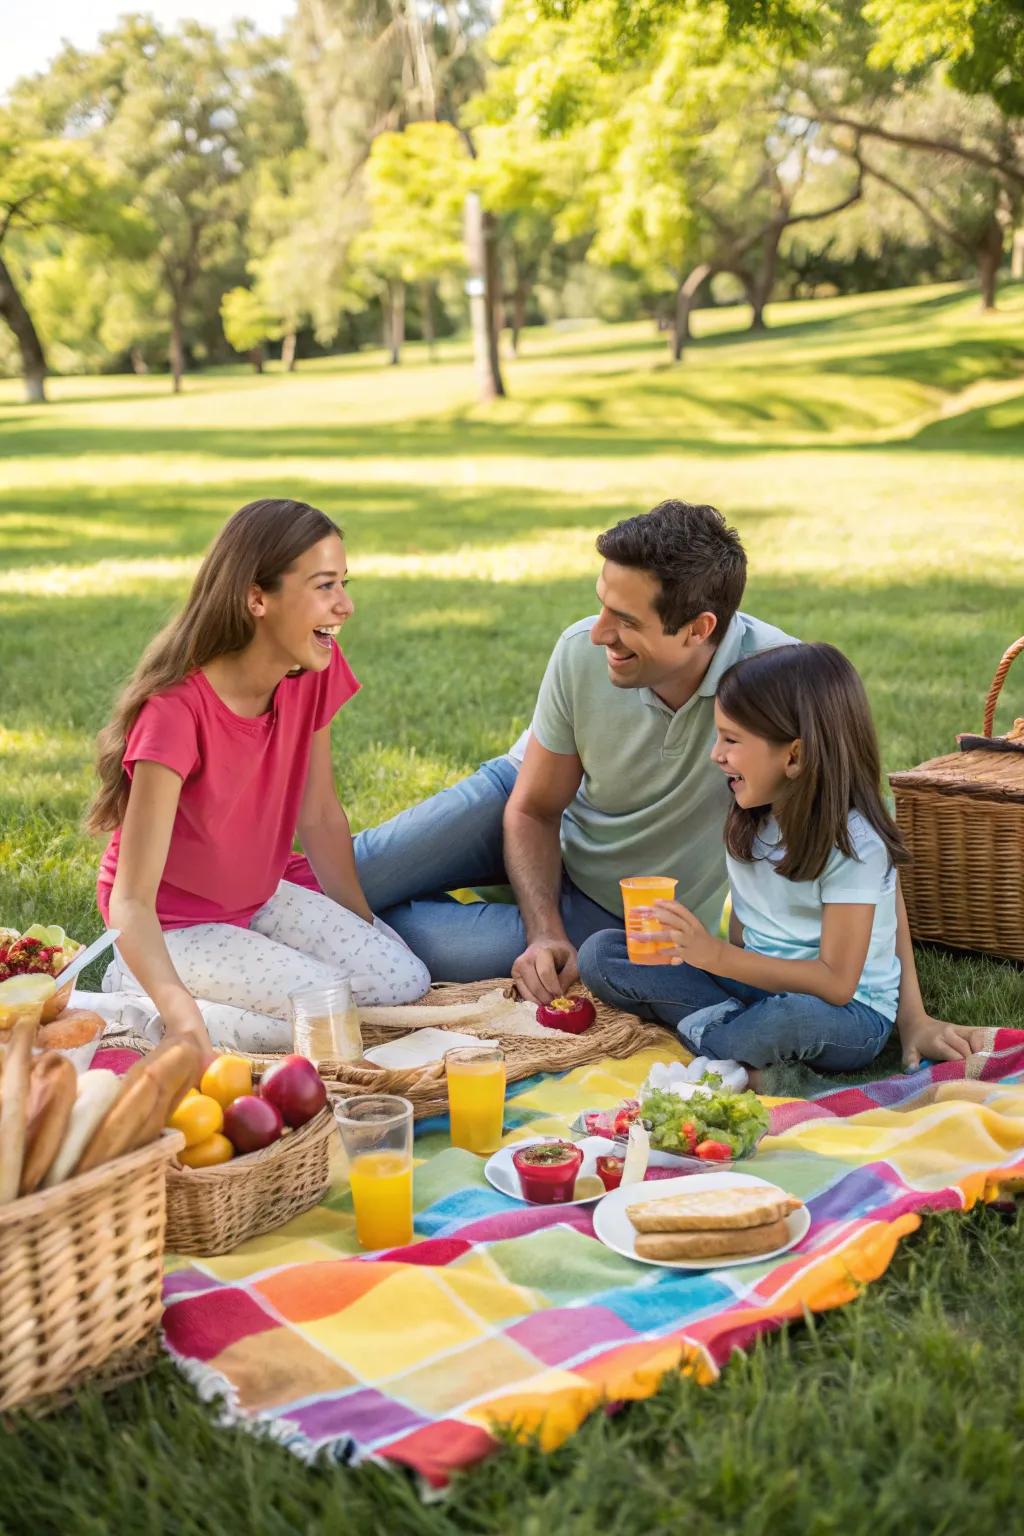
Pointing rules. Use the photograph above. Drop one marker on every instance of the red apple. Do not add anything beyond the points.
(295, 1087)
(251, 1123)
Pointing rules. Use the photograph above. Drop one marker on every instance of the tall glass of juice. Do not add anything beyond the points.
(638, 892)
(476, 1096)
(376, 1132)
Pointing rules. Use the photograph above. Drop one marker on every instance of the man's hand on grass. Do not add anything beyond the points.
(545, 969)
(931, 1039)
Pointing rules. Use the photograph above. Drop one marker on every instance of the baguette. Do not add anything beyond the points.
(713, 1245)
(174, 1066)
(123, 1123)
(713, 1210)
(14, 1106)
(52, 1089)
(97, 1091)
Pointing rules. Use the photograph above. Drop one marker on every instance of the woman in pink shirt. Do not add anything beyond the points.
(217, 756)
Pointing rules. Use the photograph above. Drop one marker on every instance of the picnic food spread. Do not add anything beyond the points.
(41, 951)
(713, 1223)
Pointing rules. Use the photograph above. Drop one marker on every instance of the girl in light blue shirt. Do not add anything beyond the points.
(809, 971)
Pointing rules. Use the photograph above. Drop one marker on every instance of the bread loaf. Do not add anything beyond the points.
(723, 1244)
(14, 1105)
(97, 1091)
(740, 1205)
(51, 1097)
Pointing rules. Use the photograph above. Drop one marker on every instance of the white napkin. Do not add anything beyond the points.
(674, 1077)
(420, 1048)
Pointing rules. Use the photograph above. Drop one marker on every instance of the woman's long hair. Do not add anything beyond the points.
(809, 693)
(254, 548)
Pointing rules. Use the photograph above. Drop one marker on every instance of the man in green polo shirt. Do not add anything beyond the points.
(613, 778)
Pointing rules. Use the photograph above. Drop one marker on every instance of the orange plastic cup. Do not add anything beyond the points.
(638, 894)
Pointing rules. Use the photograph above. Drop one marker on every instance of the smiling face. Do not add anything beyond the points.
(758, 770)
(297, 622)
(638, 651)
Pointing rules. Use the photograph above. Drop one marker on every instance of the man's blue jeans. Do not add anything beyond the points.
(452, 840)
(728, 1020)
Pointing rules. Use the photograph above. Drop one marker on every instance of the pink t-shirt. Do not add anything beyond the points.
(242, 786)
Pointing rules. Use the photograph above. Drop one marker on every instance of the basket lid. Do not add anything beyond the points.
(983, 774)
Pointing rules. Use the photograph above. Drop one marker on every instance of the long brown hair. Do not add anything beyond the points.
(812, 694)
(254, 548)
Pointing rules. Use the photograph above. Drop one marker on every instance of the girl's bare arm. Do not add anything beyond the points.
(145, 839)
(325, 834)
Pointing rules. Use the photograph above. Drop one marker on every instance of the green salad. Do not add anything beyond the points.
(713, 1113)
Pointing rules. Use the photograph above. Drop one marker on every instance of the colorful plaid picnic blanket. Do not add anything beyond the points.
(507, 1315)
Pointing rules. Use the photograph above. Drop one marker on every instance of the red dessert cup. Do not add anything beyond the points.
(609, 1171)
(547, 1171)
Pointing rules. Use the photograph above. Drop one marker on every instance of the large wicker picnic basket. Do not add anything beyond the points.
(962, 816)
(81, 1272)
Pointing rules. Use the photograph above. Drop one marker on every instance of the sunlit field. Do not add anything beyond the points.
(870, 452)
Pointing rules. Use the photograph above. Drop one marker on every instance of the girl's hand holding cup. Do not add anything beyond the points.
(691, 940)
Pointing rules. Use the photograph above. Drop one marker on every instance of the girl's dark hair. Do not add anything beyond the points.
(810, 693)
(254, 548)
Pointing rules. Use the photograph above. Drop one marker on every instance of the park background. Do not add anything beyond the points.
(479, 285)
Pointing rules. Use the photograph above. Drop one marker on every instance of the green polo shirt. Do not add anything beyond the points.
(651, 801)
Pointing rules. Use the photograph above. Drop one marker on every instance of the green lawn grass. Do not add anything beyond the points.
(868, 449)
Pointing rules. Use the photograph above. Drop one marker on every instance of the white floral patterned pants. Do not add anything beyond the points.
(241, 977)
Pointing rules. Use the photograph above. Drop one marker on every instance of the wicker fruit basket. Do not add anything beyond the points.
(212, 1210)
(962, 817)
(81, 1270)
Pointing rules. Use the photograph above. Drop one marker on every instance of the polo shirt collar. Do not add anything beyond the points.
(729, 650)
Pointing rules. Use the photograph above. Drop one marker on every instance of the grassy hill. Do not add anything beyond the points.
(868, 449)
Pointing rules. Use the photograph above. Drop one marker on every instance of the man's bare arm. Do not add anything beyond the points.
(545, 786)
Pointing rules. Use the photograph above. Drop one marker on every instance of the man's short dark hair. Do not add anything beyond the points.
(696, 558)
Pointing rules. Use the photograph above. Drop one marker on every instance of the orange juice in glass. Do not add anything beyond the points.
(476, 1097)
(376, 1132)
(638, 894)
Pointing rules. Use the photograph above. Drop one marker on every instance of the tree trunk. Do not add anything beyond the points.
(481, 234)
(288, 352)
(427, 300)
(758, 285)
(33, 358)
(177, 353)
(138, 361)
(396, 313)
(519, 302)
(685, 296)
(990, 258)
(256, 358)
(1017, 256)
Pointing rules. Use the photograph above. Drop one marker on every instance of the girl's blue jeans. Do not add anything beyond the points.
(728, 1020)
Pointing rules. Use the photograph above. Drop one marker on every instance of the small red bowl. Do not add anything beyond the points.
(551, 1183)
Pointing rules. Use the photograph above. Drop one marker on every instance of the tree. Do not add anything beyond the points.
(181, 117)
(247, 323)
(46, 185)
(369, 67)
(416, 188)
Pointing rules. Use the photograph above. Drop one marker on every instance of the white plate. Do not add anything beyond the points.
(500, 1171)
(616, 1231)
